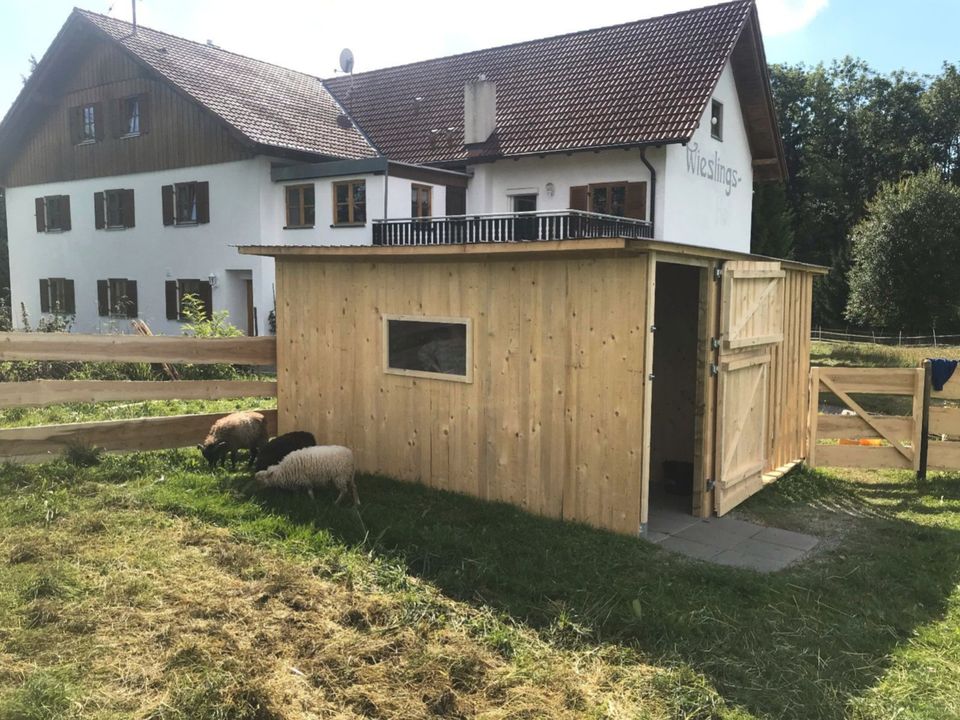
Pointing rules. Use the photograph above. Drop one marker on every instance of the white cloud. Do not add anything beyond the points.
(780, 17)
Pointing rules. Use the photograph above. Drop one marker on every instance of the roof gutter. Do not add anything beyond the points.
(653, 191)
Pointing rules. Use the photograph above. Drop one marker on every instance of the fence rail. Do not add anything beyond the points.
(871, 338)
(35, 443)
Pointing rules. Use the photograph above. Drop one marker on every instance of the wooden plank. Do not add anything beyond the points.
(428, 252)
(156, 433)
(945, 420)
(919, 421)
(951, 391)
(943, 456)
(857, 456)
(870, 419)
(854, 427)
(649, 335)
(706, 395)
(50, 392)
(137, 348)
(879, 381)
(814, 412)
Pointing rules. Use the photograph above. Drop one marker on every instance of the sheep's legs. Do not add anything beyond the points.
(339, 497)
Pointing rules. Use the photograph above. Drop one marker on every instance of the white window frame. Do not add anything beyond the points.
(467, 322)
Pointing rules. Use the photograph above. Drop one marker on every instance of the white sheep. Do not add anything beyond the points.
(313, 467)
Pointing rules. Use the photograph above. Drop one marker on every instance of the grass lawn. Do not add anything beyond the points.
(151, 587)
(862, 355)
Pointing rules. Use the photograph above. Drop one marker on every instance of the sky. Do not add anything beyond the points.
(307, 35)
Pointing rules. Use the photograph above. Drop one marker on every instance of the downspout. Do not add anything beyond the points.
(653, 191)
(386, 187)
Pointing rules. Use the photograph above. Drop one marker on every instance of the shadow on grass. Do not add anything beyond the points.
(801, 643)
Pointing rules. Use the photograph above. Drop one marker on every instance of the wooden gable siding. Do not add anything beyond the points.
(552, 420)
(180, 132)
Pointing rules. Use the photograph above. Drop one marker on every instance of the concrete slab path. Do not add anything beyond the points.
(728, 541)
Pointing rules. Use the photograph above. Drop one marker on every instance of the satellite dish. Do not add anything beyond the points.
(346, 60)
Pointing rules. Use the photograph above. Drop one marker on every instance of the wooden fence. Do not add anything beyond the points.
(883, 418)
(29, 444)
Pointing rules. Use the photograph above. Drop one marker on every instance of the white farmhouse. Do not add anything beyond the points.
(135, 161)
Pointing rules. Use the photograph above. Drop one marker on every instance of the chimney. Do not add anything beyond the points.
(479, 110)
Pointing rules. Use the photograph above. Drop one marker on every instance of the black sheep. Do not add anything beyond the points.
(281, 446)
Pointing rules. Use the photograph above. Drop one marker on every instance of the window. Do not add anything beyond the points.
(186, 203)
(53, 213)
(622, 199)
(301, 210)
(609, 199)
(428, 347)
(117, 297)
(176, 290)
(420, 201)
(130, 116)
(113, 209)
(350, 202)
(56, 296)
(86, 123)
(716, 120)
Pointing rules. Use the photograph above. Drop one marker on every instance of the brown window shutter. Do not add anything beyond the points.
(103, 298)
(144, 114)
(167, 192)
(75, 121)
(456, 201)
(173, 307)
(203, 202)
(116, 118)
(44, 295)
(636, 202)
(127, 209)
(132, 305)
(65, 212)
(99, 121)
(41, 214)
(206, 294)
(578, 197)
(69, 301)
(99, 219)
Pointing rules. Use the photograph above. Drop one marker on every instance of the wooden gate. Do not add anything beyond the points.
(751, 321)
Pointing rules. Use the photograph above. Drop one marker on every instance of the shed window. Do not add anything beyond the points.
(113, 209)
(428, 347)
(301, 208)
(53, 213)
(420, 201)
(117, 297)
(716, 120)
(350, 202)
(56, 296)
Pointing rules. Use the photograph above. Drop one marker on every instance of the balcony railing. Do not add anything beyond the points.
(507, 227)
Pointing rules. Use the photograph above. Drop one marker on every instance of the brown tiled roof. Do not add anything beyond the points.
(270, 105)
(641, 82)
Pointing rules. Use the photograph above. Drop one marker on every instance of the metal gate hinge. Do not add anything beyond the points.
(653, 328)
(717, 273)
(711, 484)
(715, 343)
(652, 376)
(714, 369)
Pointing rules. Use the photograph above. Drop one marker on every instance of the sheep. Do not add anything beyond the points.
(281, 446)
(314, 467)
(236, 431)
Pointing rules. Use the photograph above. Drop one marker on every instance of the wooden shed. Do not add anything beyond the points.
(576, 379)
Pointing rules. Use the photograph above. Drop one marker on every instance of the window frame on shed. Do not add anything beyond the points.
(467, 377)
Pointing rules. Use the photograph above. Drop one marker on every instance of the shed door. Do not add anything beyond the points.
(751, 322)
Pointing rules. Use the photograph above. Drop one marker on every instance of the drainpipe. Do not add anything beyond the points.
(386, 187)
(653, 191)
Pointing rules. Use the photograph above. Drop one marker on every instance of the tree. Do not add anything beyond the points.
(906, 257)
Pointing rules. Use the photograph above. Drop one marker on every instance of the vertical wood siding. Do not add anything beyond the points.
(180, 132)
(552, 421)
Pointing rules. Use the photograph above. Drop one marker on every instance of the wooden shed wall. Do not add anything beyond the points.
(552, 421)
(788, 388)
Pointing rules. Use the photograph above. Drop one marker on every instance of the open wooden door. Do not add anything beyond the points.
(751, 322)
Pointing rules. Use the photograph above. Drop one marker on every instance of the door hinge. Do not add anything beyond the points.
(711, 484)
(714, 369)
(652, 376)
(715, 343)
(717, 272)
(653, 328)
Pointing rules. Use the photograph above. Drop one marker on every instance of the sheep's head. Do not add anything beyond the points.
(264, 476)
(213, 452)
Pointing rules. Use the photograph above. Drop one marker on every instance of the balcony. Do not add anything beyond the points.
(508, 227)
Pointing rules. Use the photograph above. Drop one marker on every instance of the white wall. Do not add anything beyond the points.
(708, 184)
(148, 253)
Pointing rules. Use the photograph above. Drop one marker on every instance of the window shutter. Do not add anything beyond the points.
(578, 197)
(173, 307)
(456, 201)
(44, 295)
(116, 118)
(144, 114)
(636, 202)
(64, 212)
(206, 294)
(41, 214)
(75, 122)
(132, 305)
(99, 121)
(103, 298)
(127, 209)
(99, 220)
(203, 202)
(69, 302)
(167, 192)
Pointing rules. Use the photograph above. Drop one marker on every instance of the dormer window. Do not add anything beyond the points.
(89, 127)
(86, 123)
(131, 116)
(716, 120)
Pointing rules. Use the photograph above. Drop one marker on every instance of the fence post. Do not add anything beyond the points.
(924, 439)
(812, 420)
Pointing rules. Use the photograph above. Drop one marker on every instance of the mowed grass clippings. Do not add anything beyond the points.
(110, 608)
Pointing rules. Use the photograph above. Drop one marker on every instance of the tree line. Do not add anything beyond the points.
(873, 192)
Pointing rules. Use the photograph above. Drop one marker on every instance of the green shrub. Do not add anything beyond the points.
(209, 325)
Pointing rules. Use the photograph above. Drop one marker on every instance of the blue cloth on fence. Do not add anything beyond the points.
(941, 372)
